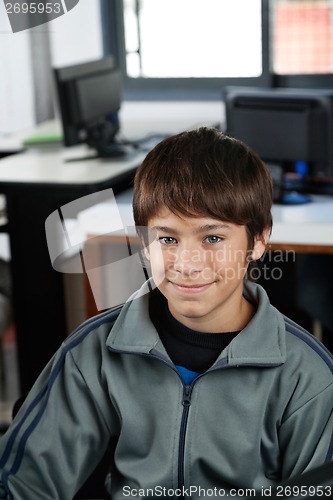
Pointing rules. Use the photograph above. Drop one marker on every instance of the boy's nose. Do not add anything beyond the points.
(188, 261)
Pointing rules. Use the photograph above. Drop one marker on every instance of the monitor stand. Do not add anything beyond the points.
(112, 150)
(293, 189)
(294, 198)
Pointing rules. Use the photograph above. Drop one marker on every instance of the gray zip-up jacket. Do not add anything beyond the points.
(261, 414)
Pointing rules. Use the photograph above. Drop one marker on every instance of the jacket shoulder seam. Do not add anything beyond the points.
(311, 341)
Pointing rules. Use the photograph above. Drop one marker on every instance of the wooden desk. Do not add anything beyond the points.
(306, 228)
(300, 248)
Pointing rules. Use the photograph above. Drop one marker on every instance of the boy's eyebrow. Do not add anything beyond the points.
(202, 229)
(212, 227)
(164, 229)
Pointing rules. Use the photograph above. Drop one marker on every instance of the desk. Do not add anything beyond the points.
(306, 228)
(35, 185)
(38, 182)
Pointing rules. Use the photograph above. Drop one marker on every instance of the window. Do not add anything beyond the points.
(162, 45)
(192, 49)
(171, 39)
(303, 32)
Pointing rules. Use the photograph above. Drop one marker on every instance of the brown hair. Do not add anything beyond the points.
(205, 172)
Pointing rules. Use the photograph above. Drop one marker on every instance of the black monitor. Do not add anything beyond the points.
(89, 97)
(290, 128)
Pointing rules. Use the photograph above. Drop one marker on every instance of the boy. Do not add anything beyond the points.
(198, 386)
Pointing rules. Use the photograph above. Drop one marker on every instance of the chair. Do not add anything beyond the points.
(5, 322)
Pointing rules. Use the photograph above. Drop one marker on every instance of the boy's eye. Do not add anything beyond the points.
(167, 240)
(213, 239)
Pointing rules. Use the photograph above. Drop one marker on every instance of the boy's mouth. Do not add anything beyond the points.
(191, 287)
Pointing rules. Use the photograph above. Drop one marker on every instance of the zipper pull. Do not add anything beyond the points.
(187, 396)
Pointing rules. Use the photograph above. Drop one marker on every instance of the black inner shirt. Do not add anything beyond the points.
(195, 351)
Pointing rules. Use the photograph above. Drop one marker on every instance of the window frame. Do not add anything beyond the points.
(113, 36)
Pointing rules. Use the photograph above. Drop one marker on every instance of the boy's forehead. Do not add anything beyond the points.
(166, 218)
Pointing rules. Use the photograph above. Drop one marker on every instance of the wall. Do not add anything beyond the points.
(72, 38)
(16, 85)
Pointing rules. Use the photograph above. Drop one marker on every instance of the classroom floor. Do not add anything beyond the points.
(9, 386)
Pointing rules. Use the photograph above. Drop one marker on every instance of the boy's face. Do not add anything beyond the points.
(199, 264)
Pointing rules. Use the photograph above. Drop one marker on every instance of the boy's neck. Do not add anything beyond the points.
(234, 319)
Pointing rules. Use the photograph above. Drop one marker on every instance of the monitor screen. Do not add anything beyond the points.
(89, 97)
(98, 95)
(284, 126)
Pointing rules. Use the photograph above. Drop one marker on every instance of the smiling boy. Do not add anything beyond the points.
(197, 383)
(202, 270)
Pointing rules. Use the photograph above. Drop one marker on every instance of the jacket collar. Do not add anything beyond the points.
(133, 331)
(261, 342)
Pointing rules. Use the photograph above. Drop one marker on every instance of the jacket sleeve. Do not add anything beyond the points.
(306, 435)
(60, 433)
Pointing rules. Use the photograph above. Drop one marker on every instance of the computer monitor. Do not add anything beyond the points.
(290, 128)
(89, 97)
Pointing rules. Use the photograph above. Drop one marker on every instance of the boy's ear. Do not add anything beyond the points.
(260, 243)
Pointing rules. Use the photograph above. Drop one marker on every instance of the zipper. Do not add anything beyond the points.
(186, 402)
